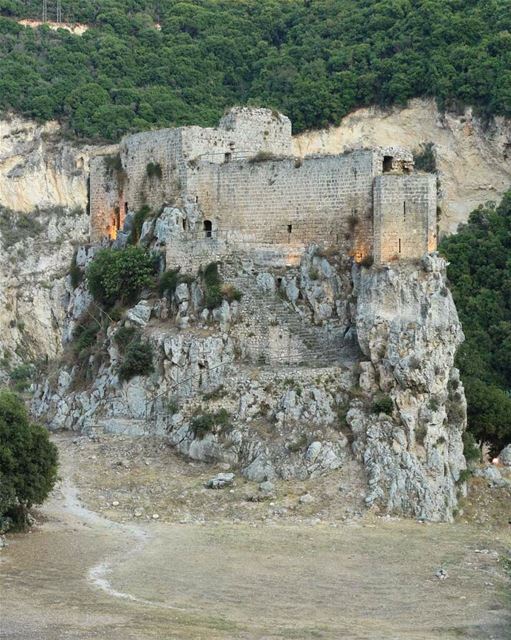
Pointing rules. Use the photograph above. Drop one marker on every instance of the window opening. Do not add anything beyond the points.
(227, 157)
(399, 245)
(208, 228)
(387, 164)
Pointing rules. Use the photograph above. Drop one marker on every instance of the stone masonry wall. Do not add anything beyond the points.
(326, 200)
(404, 216)
(162, 148)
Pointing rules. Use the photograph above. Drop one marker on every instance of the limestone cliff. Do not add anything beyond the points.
(408, 329)
(314, 367)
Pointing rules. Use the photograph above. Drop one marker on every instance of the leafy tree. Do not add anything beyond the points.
(28, 462)
(314, 60)
(480, 280)
(120, 274)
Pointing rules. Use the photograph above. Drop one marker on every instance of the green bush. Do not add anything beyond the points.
(471, 449)
(138, 221)
(137, 361)
(124, 336)
(424, 157)
(153, 170)
(21, 376)
(28, 462)
(208, 422)
(383, 404)
(85, 335)
(168, 282)
(75, 272)
(120, 274)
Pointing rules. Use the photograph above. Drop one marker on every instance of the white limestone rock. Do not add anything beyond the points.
(140, 313)
(408, 327)
(505, 456)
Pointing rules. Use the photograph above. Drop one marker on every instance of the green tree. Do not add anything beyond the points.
(120, 274)
(480, 280)
(28, 461)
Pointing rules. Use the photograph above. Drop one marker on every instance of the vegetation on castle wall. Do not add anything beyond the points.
(28, 463)
(314, 60)
(480, 280)
(120, 274)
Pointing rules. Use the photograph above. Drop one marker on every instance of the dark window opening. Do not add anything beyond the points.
(404, 210)
(387, 164)
(289, 228)
(208, 228)
(279, 282)
(196, 199)
(227, 157)
(399, 245)
(126, 208)
(184, 224)
(117, 218)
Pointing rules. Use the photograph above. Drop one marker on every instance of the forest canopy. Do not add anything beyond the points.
(480, 280)
(157, 63)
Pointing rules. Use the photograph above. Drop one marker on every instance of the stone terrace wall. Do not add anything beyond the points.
(325, 200)
(404, 216)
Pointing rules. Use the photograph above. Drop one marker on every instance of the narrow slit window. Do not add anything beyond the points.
(399, 244)
(289, 228)
(404, 210)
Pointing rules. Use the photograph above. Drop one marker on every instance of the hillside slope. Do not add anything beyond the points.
(314, 61)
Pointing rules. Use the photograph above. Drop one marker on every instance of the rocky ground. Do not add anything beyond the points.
(215, 564)
(138, 478)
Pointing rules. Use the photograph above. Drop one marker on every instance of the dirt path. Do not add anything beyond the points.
(82, 575)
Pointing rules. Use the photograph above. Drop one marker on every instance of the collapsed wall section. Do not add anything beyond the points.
(404, 216)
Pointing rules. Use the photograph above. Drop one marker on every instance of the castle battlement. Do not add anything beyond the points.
(238, 186)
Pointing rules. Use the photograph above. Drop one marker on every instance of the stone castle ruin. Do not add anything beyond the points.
(313, 357)
(238, 188)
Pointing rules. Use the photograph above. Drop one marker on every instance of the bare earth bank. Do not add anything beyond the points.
(90, 571)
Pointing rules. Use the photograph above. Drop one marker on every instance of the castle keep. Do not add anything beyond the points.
(237, 187)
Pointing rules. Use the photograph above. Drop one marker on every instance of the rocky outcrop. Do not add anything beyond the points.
(39, 169)
(410, 410)
(473, 157)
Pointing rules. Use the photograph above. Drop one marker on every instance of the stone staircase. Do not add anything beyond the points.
(308, 344)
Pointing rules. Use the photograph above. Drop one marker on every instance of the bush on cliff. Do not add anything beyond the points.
(120, 274)
(137, 359)
(480, 280)
(28, 462)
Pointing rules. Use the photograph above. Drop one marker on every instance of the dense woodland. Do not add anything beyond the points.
(480, 280)
(313, 59)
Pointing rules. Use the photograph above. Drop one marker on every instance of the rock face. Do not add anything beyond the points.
(473, 158)
(408, 420)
